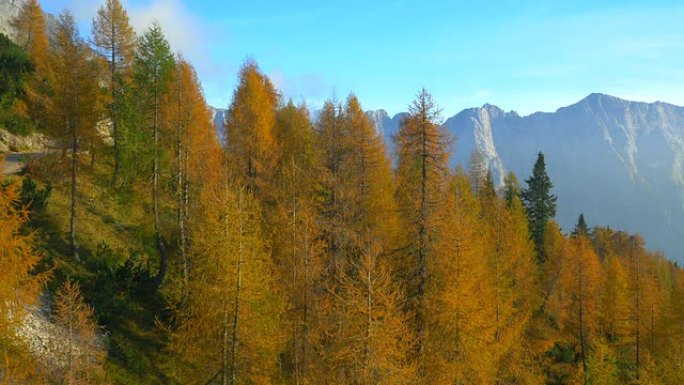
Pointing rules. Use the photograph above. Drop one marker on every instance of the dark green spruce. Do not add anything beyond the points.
(540, 204)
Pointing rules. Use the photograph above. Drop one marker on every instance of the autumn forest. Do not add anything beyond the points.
(143, 248)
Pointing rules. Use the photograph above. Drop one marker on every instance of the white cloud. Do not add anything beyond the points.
(185, 31)
(308, 85)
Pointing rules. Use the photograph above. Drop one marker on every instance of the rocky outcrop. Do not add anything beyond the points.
(8, 10)
(218, 116)
(34, 142)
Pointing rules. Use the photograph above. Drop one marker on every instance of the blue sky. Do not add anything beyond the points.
(520, 55)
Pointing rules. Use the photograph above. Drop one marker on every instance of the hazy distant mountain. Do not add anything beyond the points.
(218, 116)
(621, 163)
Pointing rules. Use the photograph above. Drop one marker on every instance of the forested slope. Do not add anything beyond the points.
(296, 253)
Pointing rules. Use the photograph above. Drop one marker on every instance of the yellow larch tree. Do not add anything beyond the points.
(671, 363)
(115, 42)
(366, 170)
(190, 130)
(375, 342)
(512, 274)
(30, 33)
(19, 287)
(614, 299)
(332, 145)
(81, 350)
(74, 102)
(421, 176)
(457, 307)
(555, 247)
(578, 291)
(296, 244)
(249, 127)
(230, 326)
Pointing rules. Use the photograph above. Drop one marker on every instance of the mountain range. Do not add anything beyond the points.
(619, 162)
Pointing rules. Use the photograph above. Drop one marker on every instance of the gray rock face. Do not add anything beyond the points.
(8, 10)
(34, 142)
(621, 163)
(218, 116)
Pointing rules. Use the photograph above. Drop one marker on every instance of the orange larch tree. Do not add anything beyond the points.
(74, 103)
(30, 33)
(249, 129)
(232, 315)
(578, 289)
(458, 304)
(421, 176)
(114, 41)
(19, 287)
(295, 231)
(81, 350)
(375, 341)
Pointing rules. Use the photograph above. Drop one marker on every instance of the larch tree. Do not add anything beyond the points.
(376, 339)
(580, 281)
(458, 307)
(115, 42)
(356, 207)
(511, 270)
(20, 287)
(540, 204)
(552, 268)
(614, 299)
(421, 176)
(366, 170)
(30, 33)
(333, 148)
(230, 327)
(81, 349)
(672, 364)
(186, 117)
(74, 104)
(637, 287)
(477, 170)
(511, 188)
(153, 71)
(337, 235)
(249, 127)
(296, 247)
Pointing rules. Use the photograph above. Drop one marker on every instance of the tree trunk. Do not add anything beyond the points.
(583, 351)
(226, 315)
(74, 175)
(238, 287)
(638, 310)
(114, 116)
(295, 277)
(422, 242)
(180, 188)
(369, 321)
(224, 347)
(159, 240)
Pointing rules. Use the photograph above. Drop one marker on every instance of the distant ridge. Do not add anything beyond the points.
(619, 162)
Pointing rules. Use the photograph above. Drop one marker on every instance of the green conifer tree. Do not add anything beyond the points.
(539, 203)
